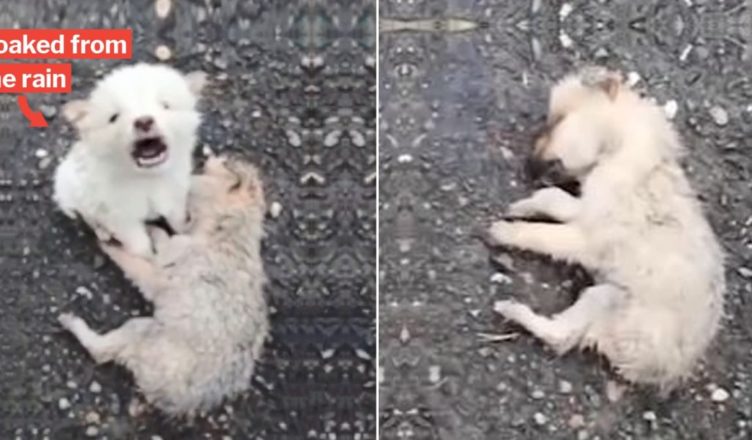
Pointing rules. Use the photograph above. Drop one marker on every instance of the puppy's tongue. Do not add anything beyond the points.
(149, 152)
(151, 149)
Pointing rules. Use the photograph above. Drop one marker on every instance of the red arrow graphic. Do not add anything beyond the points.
(36, 119)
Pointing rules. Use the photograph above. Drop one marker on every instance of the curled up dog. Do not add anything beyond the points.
(210, 316)
(637, 227)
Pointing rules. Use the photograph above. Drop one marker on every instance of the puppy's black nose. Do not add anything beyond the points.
(546, 171)
(143, 123)
(536, 168)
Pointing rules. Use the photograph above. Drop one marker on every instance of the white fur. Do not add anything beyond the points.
(100, 181)
(637, 226)
(210, 317)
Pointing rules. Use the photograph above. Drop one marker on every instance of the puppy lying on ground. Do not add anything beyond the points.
(637, 227)
(133, 161)
(210, 317)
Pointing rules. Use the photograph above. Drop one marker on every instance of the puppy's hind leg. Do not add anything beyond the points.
(565, 330)
(107, 347)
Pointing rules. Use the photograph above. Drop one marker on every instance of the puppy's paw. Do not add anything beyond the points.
(500, 233)
(70, 322)
(157, 235)
(510, 309)
(481, 232)
(521, 209)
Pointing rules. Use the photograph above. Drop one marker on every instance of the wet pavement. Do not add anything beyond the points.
(463, 87)
(293, 89)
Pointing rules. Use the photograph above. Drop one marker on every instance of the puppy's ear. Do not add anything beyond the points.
(247, 177)
(610, 84)
(196, 81)
(75, 111)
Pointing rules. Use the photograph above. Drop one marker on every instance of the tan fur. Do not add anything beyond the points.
(210, 317)
(637, 226)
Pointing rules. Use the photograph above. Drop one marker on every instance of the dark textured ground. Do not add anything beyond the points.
(460, 100)
(310, 126)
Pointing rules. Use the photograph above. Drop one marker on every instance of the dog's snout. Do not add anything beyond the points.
(536, 167)
(552, 171)
(143, 123)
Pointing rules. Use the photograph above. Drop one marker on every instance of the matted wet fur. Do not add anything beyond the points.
(637, 227)
(210, 316)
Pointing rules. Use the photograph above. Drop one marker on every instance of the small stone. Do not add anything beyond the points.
(163, 7)
(565, 387)
(92, 418)
(332, 138)
(95, 387)
(357, 138)
(565, 10)
(220, 63)
(156, 437)
(293, 138)
(565, 41)
(85, 292)
(63, 403)
(72, 385)
(614, 391)
(601, 52)
(633, 78)
(537, 394)
(92, 431)
(670, 108)
(500, 278)
(49, 111)
(163, 52)
(434, 373)
(45, 163)
(719, 115)
(719, 395)
(98, 261)
(649, 416)
(576, 421)
(275, 209)
(540, 419)
(41, 153)
(745, 272)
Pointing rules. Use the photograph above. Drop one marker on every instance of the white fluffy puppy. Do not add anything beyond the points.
(637, 226)
(210, 316)
(134, 157)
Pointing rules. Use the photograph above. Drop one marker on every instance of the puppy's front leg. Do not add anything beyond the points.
(168, 248)
(134, 238)
(142, 272)
(560, 241)
(176, 213)
(553, 202)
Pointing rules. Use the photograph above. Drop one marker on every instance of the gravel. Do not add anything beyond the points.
(319, 253)
(464, 107)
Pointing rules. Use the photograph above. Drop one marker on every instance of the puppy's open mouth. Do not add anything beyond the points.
(149, 152)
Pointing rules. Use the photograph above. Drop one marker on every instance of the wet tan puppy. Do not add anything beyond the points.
(637, 227)
(210, 317)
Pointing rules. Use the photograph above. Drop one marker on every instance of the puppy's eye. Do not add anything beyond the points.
(165, 105)
(114, 117)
